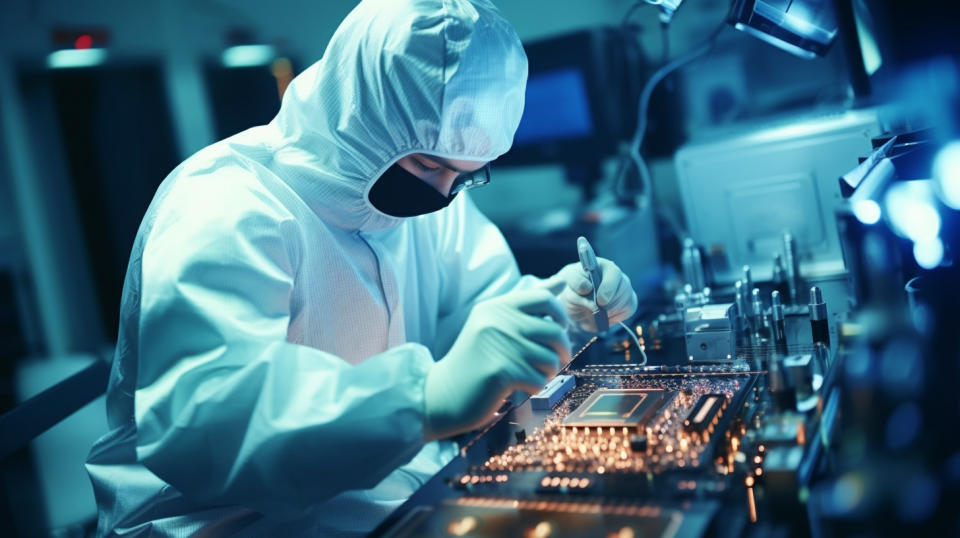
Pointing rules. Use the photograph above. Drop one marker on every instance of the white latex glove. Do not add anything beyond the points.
(508, 343)
(616, 294)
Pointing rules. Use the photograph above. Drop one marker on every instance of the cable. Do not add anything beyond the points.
(664, 41)
(633, 154)
(625, 22)
(635, 341)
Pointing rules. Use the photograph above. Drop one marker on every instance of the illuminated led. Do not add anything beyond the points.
(68, 58)
(248, 55)
(462, 527)
(946, 170)
(867, 211)
(928, 253)
(83, 42)
(911, 210)
(542, 530)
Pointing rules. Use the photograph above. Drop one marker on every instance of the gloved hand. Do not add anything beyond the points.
(616, 294)
(505, 345)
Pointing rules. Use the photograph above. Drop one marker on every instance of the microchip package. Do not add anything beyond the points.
(619, 407)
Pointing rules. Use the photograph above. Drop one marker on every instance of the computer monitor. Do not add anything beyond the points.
(580, 98)
(557, 108)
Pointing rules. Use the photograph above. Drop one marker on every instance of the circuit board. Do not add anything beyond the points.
(659, 443)
(615, 450)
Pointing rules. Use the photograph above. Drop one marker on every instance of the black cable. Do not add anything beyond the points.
(634, 158)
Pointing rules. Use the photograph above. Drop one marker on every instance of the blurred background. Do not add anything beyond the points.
(100, 100)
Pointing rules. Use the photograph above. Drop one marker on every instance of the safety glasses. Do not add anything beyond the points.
(469, 180)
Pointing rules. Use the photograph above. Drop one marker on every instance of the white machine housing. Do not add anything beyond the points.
(742, 188)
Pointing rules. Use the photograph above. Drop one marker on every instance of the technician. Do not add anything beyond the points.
(303, 318)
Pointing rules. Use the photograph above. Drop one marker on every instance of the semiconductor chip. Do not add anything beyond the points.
(705, 414)
(618, 407)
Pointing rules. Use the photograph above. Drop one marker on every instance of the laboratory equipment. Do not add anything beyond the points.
(588, 261)
(805, 28)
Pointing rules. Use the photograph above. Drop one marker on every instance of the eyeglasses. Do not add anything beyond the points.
(469, 180)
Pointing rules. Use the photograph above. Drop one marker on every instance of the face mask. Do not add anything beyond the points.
(399, 193)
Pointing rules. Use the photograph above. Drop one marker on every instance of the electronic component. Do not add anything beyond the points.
(618, 408)
(793, 267)
(557, 388)
(778, 325)
(693, 265)
(711, 332)
(757, 312)
(704, 416)
(742, 302)
(798, 370)
(779, 278)
(818, 318)
(638, 443)
(566, 483)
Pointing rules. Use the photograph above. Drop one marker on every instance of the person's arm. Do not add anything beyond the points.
(476, 264)
(479, 265)
(228, 411)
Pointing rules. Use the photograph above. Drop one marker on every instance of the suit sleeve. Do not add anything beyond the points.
(228, 411)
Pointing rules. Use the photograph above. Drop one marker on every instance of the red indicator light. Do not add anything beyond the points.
(83, 42)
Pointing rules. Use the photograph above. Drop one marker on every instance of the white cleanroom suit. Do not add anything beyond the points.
(276, 329)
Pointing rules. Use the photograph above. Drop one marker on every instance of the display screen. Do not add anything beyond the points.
(556, 108)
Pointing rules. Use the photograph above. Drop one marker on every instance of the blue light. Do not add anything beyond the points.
(911, 211)
(946, 170)
(866, 211)
(71, 58)
(928, 253)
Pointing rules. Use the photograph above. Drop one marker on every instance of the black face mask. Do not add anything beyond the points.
(399, 193)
